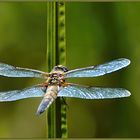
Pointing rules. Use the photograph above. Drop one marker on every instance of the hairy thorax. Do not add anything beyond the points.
(56, 78)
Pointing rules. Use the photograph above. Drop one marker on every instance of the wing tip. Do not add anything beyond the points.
(126, 61)
(127, 93)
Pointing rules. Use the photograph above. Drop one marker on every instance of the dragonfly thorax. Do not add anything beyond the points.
(56, 78)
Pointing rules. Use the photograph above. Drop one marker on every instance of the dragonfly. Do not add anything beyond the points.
(55, 84)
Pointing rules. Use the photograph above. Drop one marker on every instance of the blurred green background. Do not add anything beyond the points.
(96, 33)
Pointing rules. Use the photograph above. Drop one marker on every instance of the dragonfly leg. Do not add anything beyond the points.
(45, 84)
(46, 75)
(65, 84)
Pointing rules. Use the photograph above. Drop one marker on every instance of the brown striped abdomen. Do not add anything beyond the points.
(49, 97)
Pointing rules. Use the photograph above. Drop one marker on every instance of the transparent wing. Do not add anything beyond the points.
(11, 71)
(93, 92)
(99, 70)
(35, 91)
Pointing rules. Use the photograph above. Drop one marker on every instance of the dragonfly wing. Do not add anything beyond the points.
(35, 91)
(11, 71)
(93, 92)
(99, 70)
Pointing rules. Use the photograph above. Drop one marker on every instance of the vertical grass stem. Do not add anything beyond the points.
(56, 54)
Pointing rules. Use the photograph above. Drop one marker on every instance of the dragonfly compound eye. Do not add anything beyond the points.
(65, 69)
(56, 68)
(60, 67)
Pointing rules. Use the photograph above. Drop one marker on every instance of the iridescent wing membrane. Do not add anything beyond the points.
(71, 90)
(35, 91)
(96, 92)
(11, 71)
(84, 92)
(99, 70)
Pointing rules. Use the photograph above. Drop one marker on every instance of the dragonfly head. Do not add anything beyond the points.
(60, 67)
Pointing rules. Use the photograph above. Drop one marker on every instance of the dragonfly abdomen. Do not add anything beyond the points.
(48, 99)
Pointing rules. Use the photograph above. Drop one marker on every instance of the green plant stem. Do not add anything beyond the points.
(51, 59)
(56, 54)
(61, 55)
